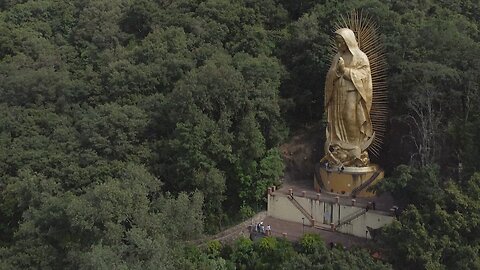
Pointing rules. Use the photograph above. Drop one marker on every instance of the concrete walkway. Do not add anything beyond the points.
(293, 230)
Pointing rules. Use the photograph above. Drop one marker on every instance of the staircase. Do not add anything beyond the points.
(302, 210)
(365, 184)
(351, 217)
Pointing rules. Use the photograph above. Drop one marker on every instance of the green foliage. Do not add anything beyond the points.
(413, 242)
(115, 219)
(196, 259)
(243, 254)
(102, 99)
(258, 177)
(312, 244)
(130, 127)
(246, 212)
(214, 248)
(275, 253)
(438, 231)
(419, 186)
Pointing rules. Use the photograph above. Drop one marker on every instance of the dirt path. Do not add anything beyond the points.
(300, 154)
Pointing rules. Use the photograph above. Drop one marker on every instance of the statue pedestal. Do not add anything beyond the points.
(352, 181)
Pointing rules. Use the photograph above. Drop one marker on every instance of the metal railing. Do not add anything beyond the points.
(302, 210)
(351, 217)
(365, 184)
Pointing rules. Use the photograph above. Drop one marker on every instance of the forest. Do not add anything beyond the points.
(130, 128)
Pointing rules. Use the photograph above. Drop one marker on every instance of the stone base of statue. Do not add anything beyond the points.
(349, 181)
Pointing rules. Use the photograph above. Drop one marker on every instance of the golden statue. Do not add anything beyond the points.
(348, 101)
(356, 109)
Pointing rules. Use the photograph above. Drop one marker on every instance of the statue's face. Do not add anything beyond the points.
(341, 45)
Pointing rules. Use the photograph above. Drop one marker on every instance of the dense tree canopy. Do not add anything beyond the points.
(128, 127)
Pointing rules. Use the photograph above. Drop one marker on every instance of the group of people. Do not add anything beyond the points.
(266, 230)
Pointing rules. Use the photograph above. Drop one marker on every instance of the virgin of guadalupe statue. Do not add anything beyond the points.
(348, 101)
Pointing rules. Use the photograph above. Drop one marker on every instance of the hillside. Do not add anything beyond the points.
(130, 128)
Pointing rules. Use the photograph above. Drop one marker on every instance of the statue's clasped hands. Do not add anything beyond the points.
(341, 66)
